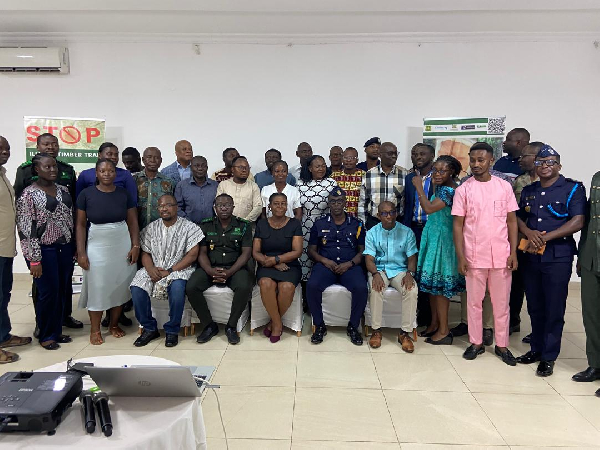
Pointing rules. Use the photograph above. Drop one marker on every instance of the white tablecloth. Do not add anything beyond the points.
(139, 423)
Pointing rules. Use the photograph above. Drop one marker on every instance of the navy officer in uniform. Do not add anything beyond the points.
(336, 244)
(48, 143)
(551, 211)
(223, 260)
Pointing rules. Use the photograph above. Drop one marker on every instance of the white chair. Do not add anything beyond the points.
(293, 318)
(337, 306)
(392, 311)
(160, 311)
(219, 300)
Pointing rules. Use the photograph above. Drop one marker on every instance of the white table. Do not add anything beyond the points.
(139, 422)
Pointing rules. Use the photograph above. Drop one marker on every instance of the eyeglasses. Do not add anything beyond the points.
(548, 162)
(167, 205)
(387, 213)
(441, 172)
(338, 201)
(242, 168)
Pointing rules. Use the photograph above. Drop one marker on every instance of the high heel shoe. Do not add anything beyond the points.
(447, 340)
(427, 335)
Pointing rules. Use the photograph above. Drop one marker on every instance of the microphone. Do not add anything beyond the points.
(101, 403)
(86, 399)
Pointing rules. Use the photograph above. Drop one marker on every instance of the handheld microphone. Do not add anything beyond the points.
(86, 399)
(101, 403)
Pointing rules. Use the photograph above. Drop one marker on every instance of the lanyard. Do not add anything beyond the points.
(551, 209)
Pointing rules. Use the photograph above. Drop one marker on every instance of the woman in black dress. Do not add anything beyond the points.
(277, 246)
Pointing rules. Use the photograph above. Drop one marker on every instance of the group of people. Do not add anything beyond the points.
(141, 233)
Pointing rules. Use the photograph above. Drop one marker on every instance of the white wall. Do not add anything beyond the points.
(254, 97)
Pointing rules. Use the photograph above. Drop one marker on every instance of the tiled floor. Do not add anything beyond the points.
(338, 396)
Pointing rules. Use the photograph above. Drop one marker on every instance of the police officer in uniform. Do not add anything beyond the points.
(588, 268)
(336, 244)
(48, 143)
(551, 211)
(223, 259)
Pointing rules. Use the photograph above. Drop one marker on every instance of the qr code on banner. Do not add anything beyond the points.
(496, 125)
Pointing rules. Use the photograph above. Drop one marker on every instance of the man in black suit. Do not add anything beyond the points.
(422, 156)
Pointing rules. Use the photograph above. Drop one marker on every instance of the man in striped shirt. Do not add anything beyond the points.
(382, 183)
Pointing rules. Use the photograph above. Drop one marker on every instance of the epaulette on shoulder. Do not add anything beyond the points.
(571, 180)
(243, 220)
(207, 220)
(25, 164)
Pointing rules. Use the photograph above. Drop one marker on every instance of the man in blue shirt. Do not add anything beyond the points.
(391, 260)
(336, 243)
(513, 145)
(195, 196)
(87, 178)
(180, 169)
(265, 177)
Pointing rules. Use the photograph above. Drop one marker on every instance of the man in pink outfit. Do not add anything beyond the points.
(485, 236)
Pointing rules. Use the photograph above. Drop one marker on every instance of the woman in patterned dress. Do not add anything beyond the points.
(349, 178)
(314, 186)
(45, 224)
(437, 269)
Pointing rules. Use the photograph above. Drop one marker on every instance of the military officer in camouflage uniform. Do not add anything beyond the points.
(48, 143)
(588, 267)
(223, 259)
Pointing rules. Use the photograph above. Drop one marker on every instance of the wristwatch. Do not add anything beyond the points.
(277, 260)
(412, 274)
(170, 270)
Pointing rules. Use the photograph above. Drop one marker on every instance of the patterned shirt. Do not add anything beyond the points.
(351, 185)
(167, 246)
(520, 182)
(148, 193)
(43, 220)
(418, 214)
(377, 187)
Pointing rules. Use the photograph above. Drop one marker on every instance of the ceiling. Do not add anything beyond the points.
(21, 19)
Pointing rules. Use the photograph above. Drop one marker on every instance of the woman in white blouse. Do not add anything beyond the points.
(279, 170)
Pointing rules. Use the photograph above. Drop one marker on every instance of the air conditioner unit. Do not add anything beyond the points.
(34, 59)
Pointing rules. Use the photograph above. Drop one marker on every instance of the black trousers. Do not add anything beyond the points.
(423, 305)
(517, 291)
(240, 283)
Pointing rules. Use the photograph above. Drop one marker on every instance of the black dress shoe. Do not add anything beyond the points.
(319, 334)
(105, 322)
(128, 306)
(171, 340)
(588, 375)
(355, 336)
(598, 393)
(53, 346)
(146, 337)
(69, 322)
(124, 320)
(232, 336)
(506, 357)
(460, 330)
(472, 352)
(545, 369)
(488, 336)
(526, 339)
(64, 339)
(529, 357)
(207, 334)
(446, 340)
(36, 332)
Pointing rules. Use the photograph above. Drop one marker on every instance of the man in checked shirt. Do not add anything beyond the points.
(382, 183)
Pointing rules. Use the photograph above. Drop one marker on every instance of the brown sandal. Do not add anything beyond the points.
(15, 341)
(96, 338)
(116, 332)
(8, 357)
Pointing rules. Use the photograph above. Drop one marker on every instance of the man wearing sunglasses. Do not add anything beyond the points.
(551, 211)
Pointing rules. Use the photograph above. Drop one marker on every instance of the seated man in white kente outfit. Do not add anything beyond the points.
(169, 251)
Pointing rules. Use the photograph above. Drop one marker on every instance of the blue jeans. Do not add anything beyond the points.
(6, 282)
(143, 309)
(54, 289)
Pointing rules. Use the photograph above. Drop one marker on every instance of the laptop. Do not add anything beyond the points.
(151, 381)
